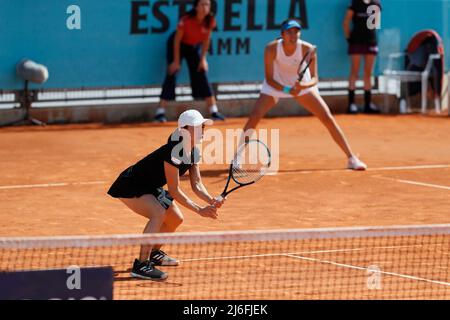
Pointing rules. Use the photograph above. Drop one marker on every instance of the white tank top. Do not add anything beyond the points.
(285, 68)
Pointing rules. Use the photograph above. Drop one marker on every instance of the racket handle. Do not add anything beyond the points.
(218, 199)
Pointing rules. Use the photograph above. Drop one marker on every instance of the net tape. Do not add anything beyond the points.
(222, 236)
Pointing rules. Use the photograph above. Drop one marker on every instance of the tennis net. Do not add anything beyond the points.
(398, 262)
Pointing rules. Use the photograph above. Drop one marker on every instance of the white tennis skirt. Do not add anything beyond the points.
(270, 91)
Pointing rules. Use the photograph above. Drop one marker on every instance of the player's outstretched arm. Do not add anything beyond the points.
(199, 188)
(173, 183)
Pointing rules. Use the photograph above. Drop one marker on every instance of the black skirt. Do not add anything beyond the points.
(362, 49)
(126, 186)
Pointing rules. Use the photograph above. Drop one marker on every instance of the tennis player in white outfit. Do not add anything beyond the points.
(281, 59)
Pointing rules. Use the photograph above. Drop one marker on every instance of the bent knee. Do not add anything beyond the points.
(174, 219)
(177, 219)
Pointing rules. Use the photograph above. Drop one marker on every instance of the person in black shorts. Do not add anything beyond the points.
(140, 188)
(362, 43)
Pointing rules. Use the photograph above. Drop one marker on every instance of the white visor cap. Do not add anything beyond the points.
(192, 118)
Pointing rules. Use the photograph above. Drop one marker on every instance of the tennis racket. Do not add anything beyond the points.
(306, 61)
(249, 164)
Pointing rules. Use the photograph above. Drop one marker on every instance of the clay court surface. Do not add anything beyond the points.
(54, 182)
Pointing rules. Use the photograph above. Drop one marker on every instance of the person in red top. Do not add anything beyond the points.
(191, 42)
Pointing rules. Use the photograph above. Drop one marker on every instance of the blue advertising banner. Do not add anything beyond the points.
(72, 283)
(104, 43)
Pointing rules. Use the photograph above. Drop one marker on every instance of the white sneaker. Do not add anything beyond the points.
(352, 109)
(355, 164)
(160, 258)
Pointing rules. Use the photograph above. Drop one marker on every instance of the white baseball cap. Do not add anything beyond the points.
(192, 118)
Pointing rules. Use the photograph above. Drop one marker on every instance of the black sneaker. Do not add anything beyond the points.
(217, 116)
(371, 109)
(160, 258)
(160, 118)
(146, 270)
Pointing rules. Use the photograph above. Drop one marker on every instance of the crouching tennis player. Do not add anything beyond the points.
(140, 188)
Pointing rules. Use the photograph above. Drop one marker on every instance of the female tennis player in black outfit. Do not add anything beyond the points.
(140, 187)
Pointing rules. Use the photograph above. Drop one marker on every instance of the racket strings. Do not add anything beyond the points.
(250, 164)
(247, 176)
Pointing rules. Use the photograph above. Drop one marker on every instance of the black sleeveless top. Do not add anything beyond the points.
(147, 175)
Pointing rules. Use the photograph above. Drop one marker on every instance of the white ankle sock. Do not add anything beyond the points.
(160, 111)
(213, 109)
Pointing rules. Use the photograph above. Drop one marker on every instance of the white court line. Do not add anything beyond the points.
(50, 185)
(419, 167)
(363, 268)
(296, 256)
(417, 183)
(88, 183)
(294, 253)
